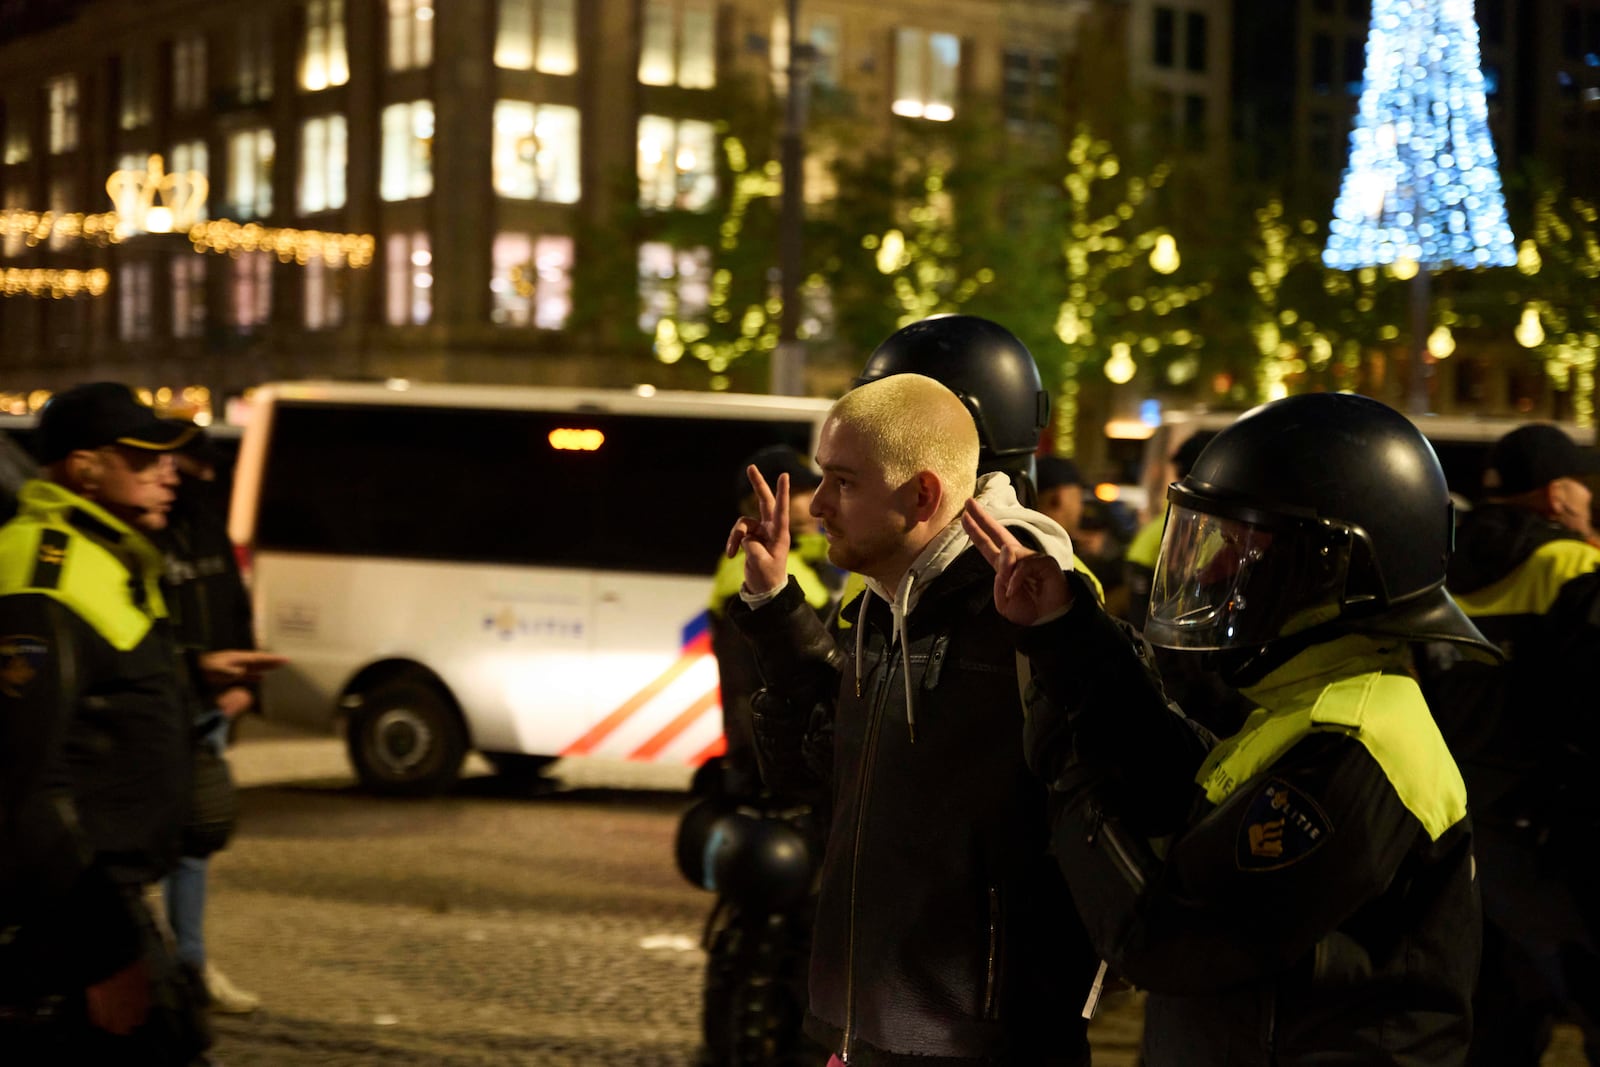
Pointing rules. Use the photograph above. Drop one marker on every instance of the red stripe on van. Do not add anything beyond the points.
(604, 728)
(652, 748)
(710, 752)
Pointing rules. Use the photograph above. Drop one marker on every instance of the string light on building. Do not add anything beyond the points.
(56, 284)
(1422, 181)
(38, 227)
(289, 245)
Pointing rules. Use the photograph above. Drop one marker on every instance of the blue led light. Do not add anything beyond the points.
(1423, 182)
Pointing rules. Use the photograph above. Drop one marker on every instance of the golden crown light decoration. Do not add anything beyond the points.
(134, 193)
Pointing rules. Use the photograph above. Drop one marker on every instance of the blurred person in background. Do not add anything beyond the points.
(756, 940)
(210, 609)
(943, 933)
(1139, 565)
(1526, 570)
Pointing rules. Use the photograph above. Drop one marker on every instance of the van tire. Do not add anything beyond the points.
(518, 766)
(406, 739)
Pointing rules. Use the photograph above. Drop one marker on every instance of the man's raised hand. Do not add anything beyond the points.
(765, 539)
(1028, 586)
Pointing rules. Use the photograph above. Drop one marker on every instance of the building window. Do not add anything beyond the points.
(407, 151)
(536, 151)
(134, 91)
(255, 59)
(822, 34)
(61, 202)
(532, 282)
(677, 163)
(1164, 37)
(1194, 122)
(324, 295)
(189, 156)
(18, 147)
(925, 74)
(1194, 41)
(679, 46)
(16, 199)
(1320, 142)
(322, 164)
(1355, 64)
(250, 173)
(409, 279)
(133, 301)
(410, 34)
(188, 295)
(673, 282)
(251, 284)
(189, 74)
(61, 100)
(324, 61)
(1321, 62)
(1031, 90)
(537, 35)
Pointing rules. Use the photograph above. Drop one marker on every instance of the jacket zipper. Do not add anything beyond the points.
(874, 722)
(991, 978)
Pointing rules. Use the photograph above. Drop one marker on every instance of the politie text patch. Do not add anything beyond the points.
(1282, 826)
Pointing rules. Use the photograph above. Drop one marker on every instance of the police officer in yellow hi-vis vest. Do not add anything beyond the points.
(1526, 570)
(1302, 892)
(94, 745)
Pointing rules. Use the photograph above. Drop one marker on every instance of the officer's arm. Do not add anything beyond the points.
(801, 666)
(1254, 885)
(56, 903)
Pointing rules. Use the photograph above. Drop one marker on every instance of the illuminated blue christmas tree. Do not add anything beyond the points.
(1422, 183)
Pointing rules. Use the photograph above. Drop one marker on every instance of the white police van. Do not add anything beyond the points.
(514, 570)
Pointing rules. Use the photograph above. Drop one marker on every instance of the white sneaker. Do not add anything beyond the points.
(227, 998)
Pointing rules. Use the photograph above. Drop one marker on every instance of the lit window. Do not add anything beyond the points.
(822, 34)
(536, 151)
(189, 73)
(18, 146)
(61, 96)
(188, 295)
(251, 285)
(187, 156)
(133, 301)
(407, 151)
(679, 46)
(673, 282)
(532, 282)
(324, 295)
(925, 74)
(537, 35)
(323, 61)
(322, 164)
(250, 155)
(16, 199)
(255, 59)
(677, 163)
(61, 202)
(409, 279)
(410, 34)
(135, 90)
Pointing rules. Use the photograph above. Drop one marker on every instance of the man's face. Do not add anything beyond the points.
(1063, 503)
(136, 485)
(865, 519)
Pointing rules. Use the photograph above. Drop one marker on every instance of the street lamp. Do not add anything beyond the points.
(789, 359)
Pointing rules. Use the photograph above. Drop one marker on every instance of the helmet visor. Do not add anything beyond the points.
(1233, 582)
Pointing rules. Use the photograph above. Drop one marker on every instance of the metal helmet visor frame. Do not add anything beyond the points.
(1233, 576)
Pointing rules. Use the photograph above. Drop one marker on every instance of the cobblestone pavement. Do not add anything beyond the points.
(498, 926)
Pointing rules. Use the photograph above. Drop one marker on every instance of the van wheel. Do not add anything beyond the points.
(406, 739)
(518, 766)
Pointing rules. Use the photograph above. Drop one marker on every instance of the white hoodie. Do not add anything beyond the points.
(994, 491)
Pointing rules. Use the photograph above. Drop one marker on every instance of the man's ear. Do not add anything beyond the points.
(85, 470)
(930, 494)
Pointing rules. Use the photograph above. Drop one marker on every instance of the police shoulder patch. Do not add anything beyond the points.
(1282, 825)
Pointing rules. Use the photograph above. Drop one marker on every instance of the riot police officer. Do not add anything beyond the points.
(1304, 890)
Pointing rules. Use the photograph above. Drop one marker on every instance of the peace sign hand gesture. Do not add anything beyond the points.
(1028, 586)
(765, 540)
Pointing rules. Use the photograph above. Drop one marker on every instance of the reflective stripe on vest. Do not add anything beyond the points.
(1385, 712)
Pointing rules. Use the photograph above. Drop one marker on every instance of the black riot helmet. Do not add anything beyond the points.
(1309, 516)
(992, 372)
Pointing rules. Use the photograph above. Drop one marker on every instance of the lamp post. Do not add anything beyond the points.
(789, 359)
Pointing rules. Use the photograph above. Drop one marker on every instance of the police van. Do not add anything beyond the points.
(519, 571)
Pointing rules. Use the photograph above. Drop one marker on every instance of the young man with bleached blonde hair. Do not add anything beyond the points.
(943, 933)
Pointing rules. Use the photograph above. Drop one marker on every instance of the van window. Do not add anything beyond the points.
(473, 485)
